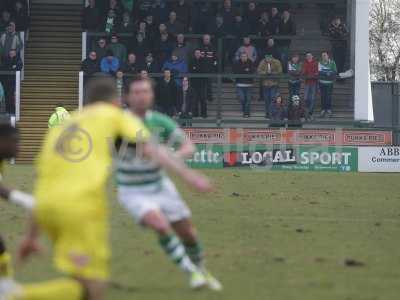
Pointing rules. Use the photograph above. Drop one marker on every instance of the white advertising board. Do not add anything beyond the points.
(379, 159)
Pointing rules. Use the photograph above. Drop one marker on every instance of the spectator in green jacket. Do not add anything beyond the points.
(59, 116)
(118, 49)
(327, 75)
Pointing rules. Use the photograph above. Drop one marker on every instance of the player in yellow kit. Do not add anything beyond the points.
(73, 169)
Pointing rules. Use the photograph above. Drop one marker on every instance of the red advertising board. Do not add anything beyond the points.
(325, 137)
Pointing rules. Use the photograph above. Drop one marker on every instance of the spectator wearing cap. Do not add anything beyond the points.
(150, 64)
(244, 66)
(294, 72)
(271, 68)
(310, 74)
(198, 84)
(209, 55)
(183, 12)
(132, 66)
(109, 64)
(182, 49)
(100, 48)
(118, 49)
(247, 48)
(174, 26)
(166, 94)
(177, 67)
(338, 33)
(91, 64)
(5, 20)
(251, 16)
(111, 22)
(91, 17)
(10, 40)
(20, 16)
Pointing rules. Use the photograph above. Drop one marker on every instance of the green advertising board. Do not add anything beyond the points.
(286, 157)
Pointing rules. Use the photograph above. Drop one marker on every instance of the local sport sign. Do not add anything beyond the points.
(379, 159)
(279, 136)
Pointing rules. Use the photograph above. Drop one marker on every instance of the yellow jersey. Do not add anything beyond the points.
(75, 162)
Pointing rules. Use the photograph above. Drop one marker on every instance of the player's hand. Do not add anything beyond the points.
(198, 181)
(27, 248)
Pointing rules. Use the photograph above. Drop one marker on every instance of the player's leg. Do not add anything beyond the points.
(5, 261)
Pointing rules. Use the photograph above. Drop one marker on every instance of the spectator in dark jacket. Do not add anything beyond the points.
(182, 49)
(166, 94)
(278, 109)
(91, 64)
(101, 48)
(150, 65)
(244, 85)
(251, 16)
(132, 66)
(174, 26)
(5, 20)
(296, 110)
(110, 23)
(240, 28)
(272, 49)
(209, 55)
(127, 25)
(198, 84)
(140, 47)
(12, 62)
(227, 13)
(183, 12)
(286, 27)
(265, 27)
(185, 99)
(91, 17)
(118, 49)
(160, 11)
(163, 48)
(217, 27)
(275, 20)
(20, 16)
(294, 72)
(338, 33)
(202, 18)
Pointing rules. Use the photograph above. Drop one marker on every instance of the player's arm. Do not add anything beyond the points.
(29, 245)
(16, 197)
(186, 149)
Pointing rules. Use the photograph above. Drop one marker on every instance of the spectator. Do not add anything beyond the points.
(272, 49)
(166, 94)
(327, 75)
(140, 47)
(202, 18)
(174, 27)
(239, 27)
(151, 29)
(295, 110)
(4, 21)
(182, 49)
(91, 17)
(151, 66)
(91, 64)
(209, 55)
(247, 48)
(144, 7)
(227, 13)
(244, 85)
(128, 6)
(111, 22)
(159, 11)
(118, 49)
(270, 66)
(275, 20)
(294, 71)
(132, 66)
(338, 33)
(177, 67)
(12, 62)
(163, 48)
(10, 40)
(265, 27)
(310, 74)
(185, 99)
(198, 85)
(20, 15)
(278, 109)
(251, 16)
(120, 82)
(162, 28)
(127, 25)
(144, 74)
(109, 64)
(114, 5)
(142, 29)
(101, 48)
(217, 27)
(286, 27)
(183, 12)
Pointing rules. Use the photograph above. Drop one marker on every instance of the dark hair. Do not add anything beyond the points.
(7, 130)
(101, 88)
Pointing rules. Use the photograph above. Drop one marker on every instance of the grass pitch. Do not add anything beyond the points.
(279, 236)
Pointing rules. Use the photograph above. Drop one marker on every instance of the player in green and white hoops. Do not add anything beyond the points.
(151, 197)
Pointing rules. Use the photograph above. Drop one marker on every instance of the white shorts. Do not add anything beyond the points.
(163, 197)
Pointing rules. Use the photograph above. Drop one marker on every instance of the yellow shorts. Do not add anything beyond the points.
(80, 237)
